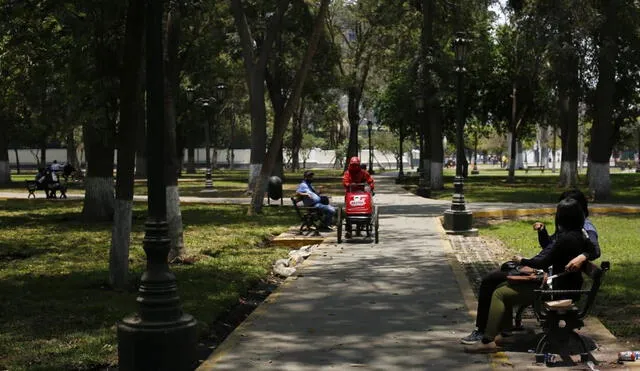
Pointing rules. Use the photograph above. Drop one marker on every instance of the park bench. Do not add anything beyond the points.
(559, 318)
(534, 167)
(50, 191)
(310, 217)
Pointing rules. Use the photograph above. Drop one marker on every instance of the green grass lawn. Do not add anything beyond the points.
(57, 311)
(227, 183)
(619, 237)
(490, 186)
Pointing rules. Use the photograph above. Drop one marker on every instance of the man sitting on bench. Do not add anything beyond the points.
(311, 198)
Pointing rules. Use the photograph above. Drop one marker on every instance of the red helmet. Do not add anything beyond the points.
(354, 161)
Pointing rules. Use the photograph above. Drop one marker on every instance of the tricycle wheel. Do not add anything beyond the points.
(339, 225)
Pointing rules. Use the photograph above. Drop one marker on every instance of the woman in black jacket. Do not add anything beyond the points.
(570, 242)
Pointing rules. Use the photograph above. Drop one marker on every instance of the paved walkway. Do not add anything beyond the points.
(391, 306)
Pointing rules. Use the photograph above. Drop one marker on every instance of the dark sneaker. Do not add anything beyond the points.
(474, 337)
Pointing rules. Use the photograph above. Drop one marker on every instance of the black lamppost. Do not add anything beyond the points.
(220, 95)
(423, 185)
(400, 178)
(208, 179)
(458, 220)
(208, 108)
(369, 127)
(160, 336)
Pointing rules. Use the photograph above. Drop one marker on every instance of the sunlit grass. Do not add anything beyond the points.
(619, 236)
(227, 183)
(491, 186)
(57, 309)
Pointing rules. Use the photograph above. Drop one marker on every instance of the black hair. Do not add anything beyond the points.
(577, 195)
(569, 215)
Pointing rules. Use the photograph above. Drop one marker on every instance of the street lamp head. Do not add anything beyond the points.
(190, 90)
(461, 46)
(419, 101)
(221, 91)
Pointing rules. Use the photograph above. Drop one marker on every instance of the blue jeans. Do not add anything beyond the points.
(328, 211)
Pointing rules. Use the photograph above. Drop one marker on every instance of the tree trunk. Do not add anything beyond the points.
(511, 178)
(191, 158)
(15, 150)
(72, 150)
(98, 199)
(141, 134)
(172, 70)
(353, 114)
(120, 242)
(437, 151)
(258, 126)
(130, 103)
(602, 129)
(5, 170)
(569, 132)
(43, 155)
(296, 137)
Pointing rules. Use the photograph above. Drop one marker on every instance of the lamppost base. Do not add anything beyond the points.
(423, 191)
(208, 180)
(459, 223)
(400, 178)
(157, 345)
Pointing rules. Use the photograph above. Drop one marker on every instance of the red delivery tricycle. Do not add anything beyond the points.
(359, 212)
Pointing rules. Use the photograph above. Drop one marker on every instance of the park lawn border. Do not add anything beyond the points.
(208, 309)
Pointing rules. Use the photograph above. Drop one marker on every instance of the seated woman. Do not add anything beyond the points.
(491, 281)
(570, 242)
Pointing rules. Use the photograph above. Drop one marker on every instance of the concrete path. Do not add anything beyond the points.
(391, 306)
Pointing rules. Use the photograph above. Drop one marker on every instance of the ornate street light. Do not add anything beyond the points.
(208, 178)
(160, 336)
(369, 127)
(458, 219)
(400, 178)
(221, 92)
(423, 185)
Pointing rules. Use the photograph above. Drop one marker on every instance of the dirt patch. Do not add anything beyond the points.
(234, 316)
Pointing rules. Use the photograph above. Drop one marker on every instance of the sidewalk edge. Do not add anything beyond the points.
(496, 359)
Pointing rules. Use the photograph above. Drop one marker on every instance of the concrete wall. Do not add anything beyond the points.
(241, 157)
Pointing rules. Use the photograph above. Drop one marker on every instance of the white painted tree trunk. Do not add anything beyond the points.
(120, 241)
(5, 172)
(437, 182)
(174, 220)
(568, 174)
(98, 199)
(254, 173)
(599, 180)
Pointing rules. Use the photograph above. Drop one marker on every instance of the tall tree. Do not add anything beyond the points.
(172, 86)
(289, 106)
(130, 102)
(602, 131)
(255, 53)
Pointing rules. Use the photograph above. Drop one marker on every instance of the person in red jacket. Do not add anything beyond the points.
(355, 174)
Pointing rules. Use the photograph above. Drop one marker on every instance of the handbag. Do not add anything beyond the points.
(522, 274)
